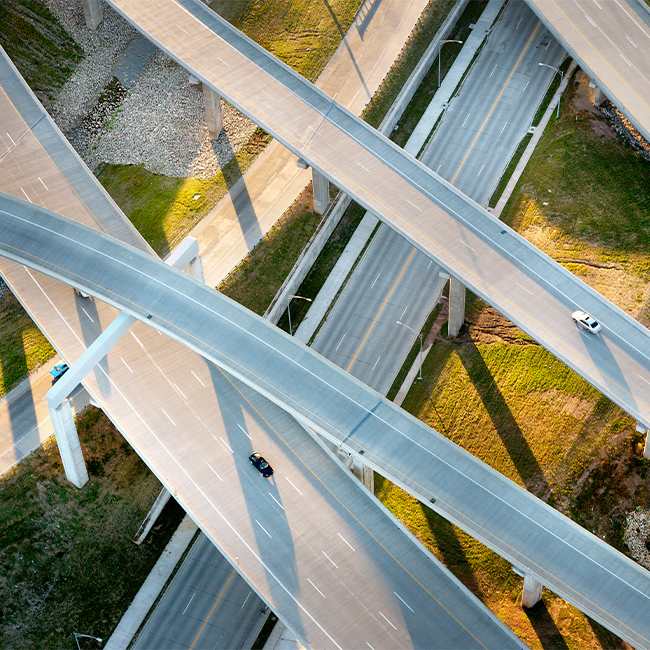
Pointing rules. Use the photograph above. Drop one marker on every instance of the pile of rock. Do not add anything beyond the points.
(159, 122)
(624, 128)
(637, 536)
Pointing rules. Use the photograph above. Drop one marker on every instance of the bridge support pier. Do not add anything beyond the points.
(68, 443)
(365, 474)
(456, 307)
(212, 112)
(641, 428)
(92, 13)
(320, 187)
(532, 592)
(599, 96)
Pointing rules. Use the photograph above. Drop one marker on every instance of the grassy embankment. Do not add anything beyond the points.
(68, 560)
(583, 200)
(45, 55)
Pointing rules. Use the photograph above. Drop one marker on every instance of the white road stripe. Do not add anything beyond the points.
(224, 62)
(274, 499)
(493, 69)
(267, 94)
(622, 57)
(371, 648)
(524, 288)
(214, 471)
(329, 558)
(341, 341)
(87, 314)
(317, 589)
(25, 193)
(165, 412)
(373, 284)
(465, 120)
(362, 167)
(292, 485)
(244, 430)
(644, 379)
(480, 170)
(631, 41)
(266, 531)
(404, 601)
(599, 7)
(504, 127)
(197, 378)
(376, 362)
(183, 30)
(12, 140)
(591, 21)
(415, 206)
(468, 246)
(126, 364)
(137, 339)
(225, 443)
(247, 597)
(188, 604)
(44, 185)
(389, 623)
(179, 390)
(346, 541)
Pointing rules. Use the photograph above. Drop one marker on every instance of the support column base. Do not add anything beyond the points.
(92, 13)
(213, 116)
(68, 443)
(456, 307)
(321, 188)
(532, 592)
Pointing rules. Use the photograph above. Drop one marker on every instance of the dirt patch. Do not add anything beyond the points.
(583, 101)
(488, 326)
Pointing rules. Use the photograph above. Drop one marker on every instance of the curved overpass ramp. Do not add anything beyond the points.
(534, 537)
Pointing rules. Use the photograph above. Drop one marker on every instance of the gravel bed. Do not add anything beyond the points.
(637, 536)
(159, 123)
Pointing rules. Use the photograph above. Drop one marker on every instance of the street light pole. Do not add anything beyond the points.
(439, 53)
(76, 638)
(561, 79)
(289, 310)
(420, 335)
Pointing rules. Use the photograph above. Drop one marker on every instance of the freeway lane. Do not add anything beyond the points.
(526, 286)
(611, 42)
(588, 573)
(195, 427)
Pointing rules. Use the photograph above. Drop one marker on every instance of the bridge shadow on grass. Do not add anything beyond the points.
(607, 639)
(503, 420)
(547, 631)
(273, 539)
(239, 195)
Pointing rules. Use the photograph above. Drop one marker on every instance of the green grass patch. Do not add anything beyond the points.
(69, 562)
(163, 209)
(303, 34)
(37, 44)
(255, 282)
(23, 348)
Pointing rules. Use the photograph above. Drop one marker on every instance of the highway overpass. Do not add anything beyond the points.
(533, 536)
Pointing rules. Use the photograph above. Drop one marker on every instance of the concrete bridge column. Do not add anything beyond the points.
(368, 478)
(320, 186)
(212, 112)
(68, 443)
(92, 13)
(456, 307)
(532, 592)
(641, 428)
(599, 96)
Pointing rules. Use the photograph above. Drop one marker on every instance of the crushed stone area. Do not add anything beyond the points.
(158, 123)
(637, 536)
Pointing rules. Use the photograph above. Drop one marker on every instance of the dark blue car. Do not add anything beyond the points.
(259, 462)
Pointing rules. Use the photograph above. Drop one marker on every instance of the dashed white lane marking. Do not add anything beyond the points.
(341, 341)
(12, 140)
(188, 604)
(266, 531)
(480, 170)
(126, 364)
(524, 288)
(44, 185)
(293, 486)
(87, 314)
(362, 167)
(375, 282)
(137, 339)
(224, 62)
(404, 601)
(371, 648)
(214, 471)
(376, 362)
(624, 59)
(226, 444)
(415, 206)
(167, 414)
(644, 379)
(504, 127)
(387, 621)
(317, 589)
(267, 94)
(599, 7)
(179, 390)
(465, 120)
(274, 499)
(631, 41)
(346, 541)
(183, 30)
(493, 70)
(197, 378)
(526, 86)
(25, 193)
(247, 597)
(591, 21)
(468, 246)
(244, 430)
(329, 558)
